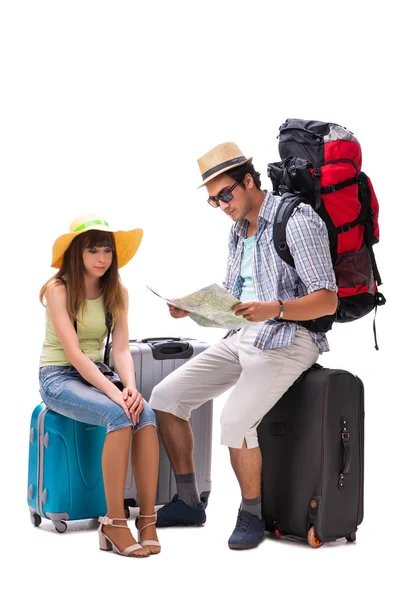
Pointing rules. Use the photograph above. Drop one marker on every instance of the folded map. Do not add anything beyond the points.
(209, 307)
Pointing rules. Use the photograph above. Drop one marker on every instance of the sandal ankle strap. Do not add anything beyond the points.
(146, 516)
(107, 521)
(148, 525)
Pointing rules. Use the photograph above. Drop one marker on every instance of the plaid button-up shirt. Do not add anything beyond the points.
(273, 279)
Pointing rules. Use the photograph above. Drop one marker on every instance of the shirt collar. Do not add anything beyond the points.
(266, 214)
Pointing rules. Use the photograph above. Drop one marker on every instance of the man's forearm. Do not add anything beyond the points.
(314, 305)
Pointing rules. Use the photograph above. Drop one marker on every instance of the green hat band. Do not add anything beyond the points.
(89, 224)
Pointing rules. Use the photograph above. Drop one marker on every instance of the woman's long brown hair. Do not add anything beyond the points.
(71, 274)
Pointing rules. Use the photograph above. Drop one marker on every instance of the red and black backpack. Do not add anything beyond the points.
(321, 166)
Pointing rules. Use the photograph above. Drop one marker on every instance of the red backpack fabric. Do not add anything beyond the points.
(321, 165)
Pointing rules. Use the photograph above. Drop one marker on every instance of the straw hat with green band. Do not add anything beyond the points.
(127, 242)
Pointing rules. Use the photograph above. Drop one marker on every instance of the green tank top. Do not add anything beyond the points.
(91, 334)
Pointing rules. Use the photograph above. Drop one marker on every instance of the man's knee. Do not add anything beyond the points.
(158, 396)
(234, 418)
(231, 427)
(147, 416)
(234, 431)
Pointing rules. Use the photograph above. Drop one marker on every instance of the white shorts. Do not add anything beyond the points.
(260, 377)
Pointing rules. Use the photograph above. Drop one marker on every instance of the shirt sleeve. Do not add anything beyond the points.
(227, 282)
(308, 242)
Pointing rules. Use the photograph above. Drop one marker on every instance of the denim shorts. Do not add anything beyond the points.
(63, 392)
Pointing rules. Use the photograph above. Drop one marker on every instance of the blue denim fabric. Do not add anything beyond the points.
(64, 393)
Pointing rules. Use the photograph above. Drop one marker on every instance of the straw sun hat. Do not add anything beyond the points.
(220, 159)
(127, 242)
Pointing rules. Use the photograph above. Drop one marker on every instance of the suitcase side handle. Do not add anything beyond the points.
(345, 438)
(171, 350)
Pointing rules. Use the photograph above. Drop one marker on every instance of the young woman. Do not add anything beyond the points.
(85, 289)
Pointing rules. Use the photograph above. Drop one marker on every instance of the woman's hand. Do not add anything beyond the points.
(177, 313)
(118, 398)
(134, 402)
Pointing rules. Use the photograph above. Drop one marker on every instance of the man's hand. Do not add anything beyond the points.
(134, 402)
(256, 311)
(177, 313)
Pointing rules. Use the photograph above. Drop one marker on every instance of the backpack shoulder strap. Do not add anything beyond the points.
(288, 203)
(285, 210)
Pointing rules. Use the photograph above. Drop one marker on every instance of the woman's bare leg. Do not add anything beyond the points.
(115, 463)
(145, 458)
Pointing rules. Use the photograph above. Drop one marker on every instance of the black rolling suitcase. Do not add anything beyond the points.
(312, 444)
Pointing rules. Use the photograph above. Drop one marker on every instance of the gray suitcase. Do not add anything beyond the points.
(154, 359)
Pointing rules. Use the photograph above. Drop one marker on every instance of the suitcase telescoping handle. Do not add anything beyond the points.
(160, 339)
(169, 348)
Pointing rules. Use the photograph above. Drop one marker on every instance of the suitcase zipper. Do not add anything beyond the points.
(39, 500)
(315, 501)
(361, 416)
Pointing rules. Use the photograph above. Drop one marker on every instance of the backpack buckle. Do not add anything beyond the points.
(380, 299)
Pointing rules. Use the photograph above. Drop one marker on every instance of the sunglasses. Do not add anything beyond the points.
(225, 196)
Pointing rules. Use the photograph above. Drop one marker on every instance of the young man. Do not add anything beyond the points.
(262, 359)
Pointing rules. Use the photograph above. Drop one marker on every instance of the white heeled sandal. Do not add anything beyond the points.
(107, 544)
(155, 544)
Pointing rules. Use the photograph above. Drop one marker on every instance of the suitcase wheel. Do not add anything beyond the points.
(351, 537)
(60, 526)
(36, 519)
(312, 539)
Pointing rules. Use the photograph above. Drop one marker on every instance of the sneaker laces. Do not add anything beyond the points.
(243, 522)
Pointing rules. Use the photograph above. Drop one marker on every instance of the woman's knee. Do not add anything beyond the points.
(147, 416)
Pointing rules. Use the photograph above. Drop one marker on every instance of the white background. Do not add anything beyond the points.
(105, 107)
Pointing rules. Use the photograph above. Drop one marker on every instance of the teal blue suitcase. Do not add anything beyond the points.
(65, 481)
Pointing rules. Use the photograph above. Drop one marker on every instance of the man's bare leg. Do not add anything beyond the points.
(247, 464)
(177, 437)
(249, 530)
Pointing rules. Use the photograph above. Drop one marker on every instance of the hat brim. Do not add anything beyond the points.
(126, 243)
(224, 170)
